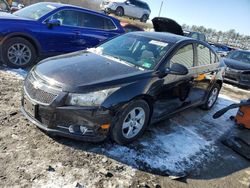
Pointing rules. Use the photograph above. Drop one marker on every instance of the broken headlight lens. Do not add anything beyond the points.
(89, 99)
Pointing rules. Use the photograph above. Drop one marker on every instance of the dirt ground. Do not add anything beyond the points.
(30, 158)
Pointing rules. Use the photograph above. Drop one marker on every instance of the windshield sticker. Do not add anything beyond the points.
(147, 65)
(158, 43)
(51, 7)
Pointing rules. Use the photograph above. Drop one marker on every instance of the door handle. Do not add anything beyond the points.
(106, 34)
(77, 32)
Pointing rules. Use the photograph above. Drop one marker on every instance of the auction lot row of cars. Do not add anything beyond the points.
(114, 84)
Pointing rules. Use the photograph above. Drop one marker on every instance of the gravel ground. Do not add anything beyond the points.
(189, 145)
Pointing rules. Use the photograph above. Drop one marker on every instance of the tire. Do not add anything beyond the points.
(119, 11)
(212, 97)
(18, 53)
(144, 18)
(126, 130)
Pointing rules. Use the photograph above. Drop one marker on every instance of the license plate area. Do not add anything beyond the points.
(30, 107)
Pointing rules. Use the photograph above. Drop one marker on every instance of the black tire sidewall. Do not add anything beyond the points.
(116, 132)
(205, 106)
(117, 10)
(142, 18)
(9, 42)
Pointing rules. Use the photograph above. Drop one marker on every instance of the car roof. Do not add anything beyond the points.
(164, 36)
(61, 5)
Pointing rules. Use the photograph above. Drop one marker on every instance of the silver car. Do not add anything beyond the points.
(131, 8)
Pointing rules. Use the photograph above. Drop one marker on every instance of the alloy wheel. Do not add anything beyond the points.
(19, 54)
(213, 96)
(133, 123)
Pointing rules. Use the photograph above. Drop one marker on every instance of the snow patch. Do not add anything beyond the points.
(19, 73)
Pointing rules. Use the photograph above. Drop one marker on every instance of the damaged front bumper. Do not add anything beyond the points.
(80, 123)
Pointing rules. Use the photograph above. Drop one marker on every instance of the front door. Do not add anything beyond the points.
(175, 93)
(63, 38)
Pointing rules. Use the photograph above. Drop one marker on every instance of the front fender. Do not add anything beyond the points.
(146, 87)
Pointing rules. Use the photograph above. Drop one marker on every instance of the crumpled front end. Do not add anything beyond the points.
(44, 105)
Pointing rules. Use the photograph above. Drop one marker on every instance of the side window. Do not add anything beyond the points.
(202, 37)
(109, 24)
(195, 36)
(67, 17)
(133, 2)
(137, 3)
(94, 21)
(140, 4)
(184, 56)
(203, 55)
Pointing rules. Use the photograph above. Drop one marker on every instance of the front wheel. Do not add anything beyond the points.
(18, 53)
(131, 123)
(212, 97)
(144, 18)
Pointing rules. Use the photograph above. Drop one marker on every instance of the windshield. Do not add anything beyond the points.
(240, 56)
(35, 11)
(135, 50)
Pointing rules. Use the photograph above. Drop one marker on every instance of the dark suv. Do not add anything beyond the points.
(118, 88)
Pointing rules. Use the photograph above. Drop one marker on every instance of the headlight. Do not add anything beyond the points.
(89, 99)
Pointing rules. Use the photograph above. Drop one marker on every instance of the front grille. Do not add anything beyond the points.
(245, 77)
(36, 93)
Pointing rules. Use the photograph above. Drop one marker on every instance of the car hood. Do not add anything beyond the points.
(9, 16)
(167, 25)
(238, 65)
(83, 70)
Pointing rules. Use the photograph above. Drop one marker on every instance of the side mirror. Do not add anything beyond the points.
(177, 69)
(127, 3)
(53, 23)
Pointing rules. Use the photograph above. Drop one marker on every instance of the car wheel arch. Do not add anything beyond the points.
(27, 37)
(220, 82)
(147, 98)
(120, 7)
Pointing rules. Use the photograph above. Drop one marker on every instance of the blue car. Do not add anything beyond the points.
(48, 29)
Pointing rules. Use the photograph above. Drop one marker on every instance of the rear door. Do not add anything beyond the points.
(94, 29)
(206, 68)
(138, 13)
(130, 8)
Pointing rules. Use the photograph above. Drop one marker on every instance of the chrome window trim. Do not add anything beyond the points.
(44, 21)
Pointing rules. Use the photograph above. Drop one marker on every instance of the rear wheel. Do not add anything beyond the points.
(18, 53)
(144, 18)
(212, 97)
(119, 11)
(131, 123)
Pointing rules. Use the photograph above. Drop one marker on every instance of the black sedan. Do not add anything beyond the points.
(121, 86)
(238, 68)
